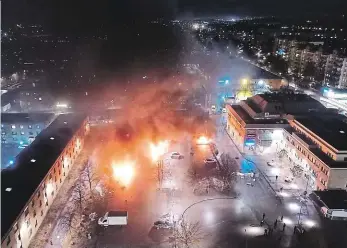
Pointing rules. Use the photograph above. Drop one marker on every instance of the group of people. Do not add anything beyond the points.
(271, 229)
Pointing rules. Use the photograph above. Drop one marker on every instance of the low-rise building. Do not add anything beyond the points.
(314, 138)
(317, 143)
(332, 203)
(30, 186)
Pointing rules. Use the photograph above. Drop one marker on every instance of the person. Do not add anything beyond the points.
(281, 218)
(275, 224)
(284, 226)
(263, 216)
(276, 178)
(265, 231)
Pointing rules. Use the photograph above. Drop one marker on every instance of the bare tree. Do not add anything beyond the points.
(79, 194)
(89, 176)
(281, 154)
(193, 176)
(227, 171)
(188, 234)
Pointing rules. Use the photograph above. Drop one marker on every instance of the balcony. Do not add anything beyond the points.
(304, 140)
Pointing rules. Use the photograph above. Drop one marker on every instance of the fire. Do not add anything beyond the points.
(202, 140)
(159, 149)
(124, 172)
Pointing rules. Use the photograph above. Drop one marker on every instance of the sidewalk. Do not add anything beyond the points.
(43, 236)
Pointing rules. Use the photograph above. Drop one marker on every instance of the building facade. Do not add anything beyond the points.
(22, 214)
(315, 141)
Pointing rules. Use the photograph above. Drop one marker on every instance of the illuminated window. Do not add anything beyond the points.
(13, 126)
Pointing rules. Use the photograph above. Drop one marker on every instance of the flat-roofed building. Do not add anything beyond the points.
(29, 186)
(18, 130)
(253, 121)
(332, 203)
(314, 138)
(318, 144)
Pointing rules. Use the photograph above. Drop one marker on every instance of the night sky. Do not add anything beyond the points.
(89, 13)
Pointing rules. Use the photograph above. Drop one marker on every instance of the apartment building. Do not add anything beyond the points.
(343, 75)
(310, 61)
(30, 186)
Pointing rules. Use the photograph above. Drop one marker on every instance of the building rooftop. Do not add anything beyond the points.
(284, 97)
(12, 118)
(329, 127)
(328, 160)
(333, 199)
(32, 165)
(249, 120)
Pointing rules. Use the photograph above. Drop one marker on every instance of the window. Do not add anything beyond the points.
(40, 203)
(14, 133)
(27, 222)
(37, 126)
(33, 203)
(21, 127)
(30, 126)
(38, 194)
(34, 213)
(13, 126)
(8, 240)
(21, 133)
(41, 212)
(46, 203)
(31, 133)
(30, 232)
(19, 237)
(36, 223)
(26, 212)
(3, 133)
(16, 227)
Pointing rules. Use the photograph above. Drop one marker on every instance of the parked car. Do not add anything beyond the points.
(176, 155)
(162, 224)
(270, 163)
(288, 179)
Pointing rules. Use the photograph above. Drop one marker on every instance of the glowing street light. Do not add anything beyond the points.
(244, 81)
(124, 172)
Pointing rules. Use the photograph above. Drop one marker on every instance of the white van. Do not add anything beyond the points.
(114, 218)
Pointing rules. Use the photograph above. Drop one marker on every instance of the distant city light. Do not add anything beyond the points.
(33, 160)
(8, 189)
(196, 26)
(61, 105)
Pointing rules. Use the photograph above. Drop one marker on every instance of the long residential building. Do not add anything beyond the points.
(315, 139)
(29, 187)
